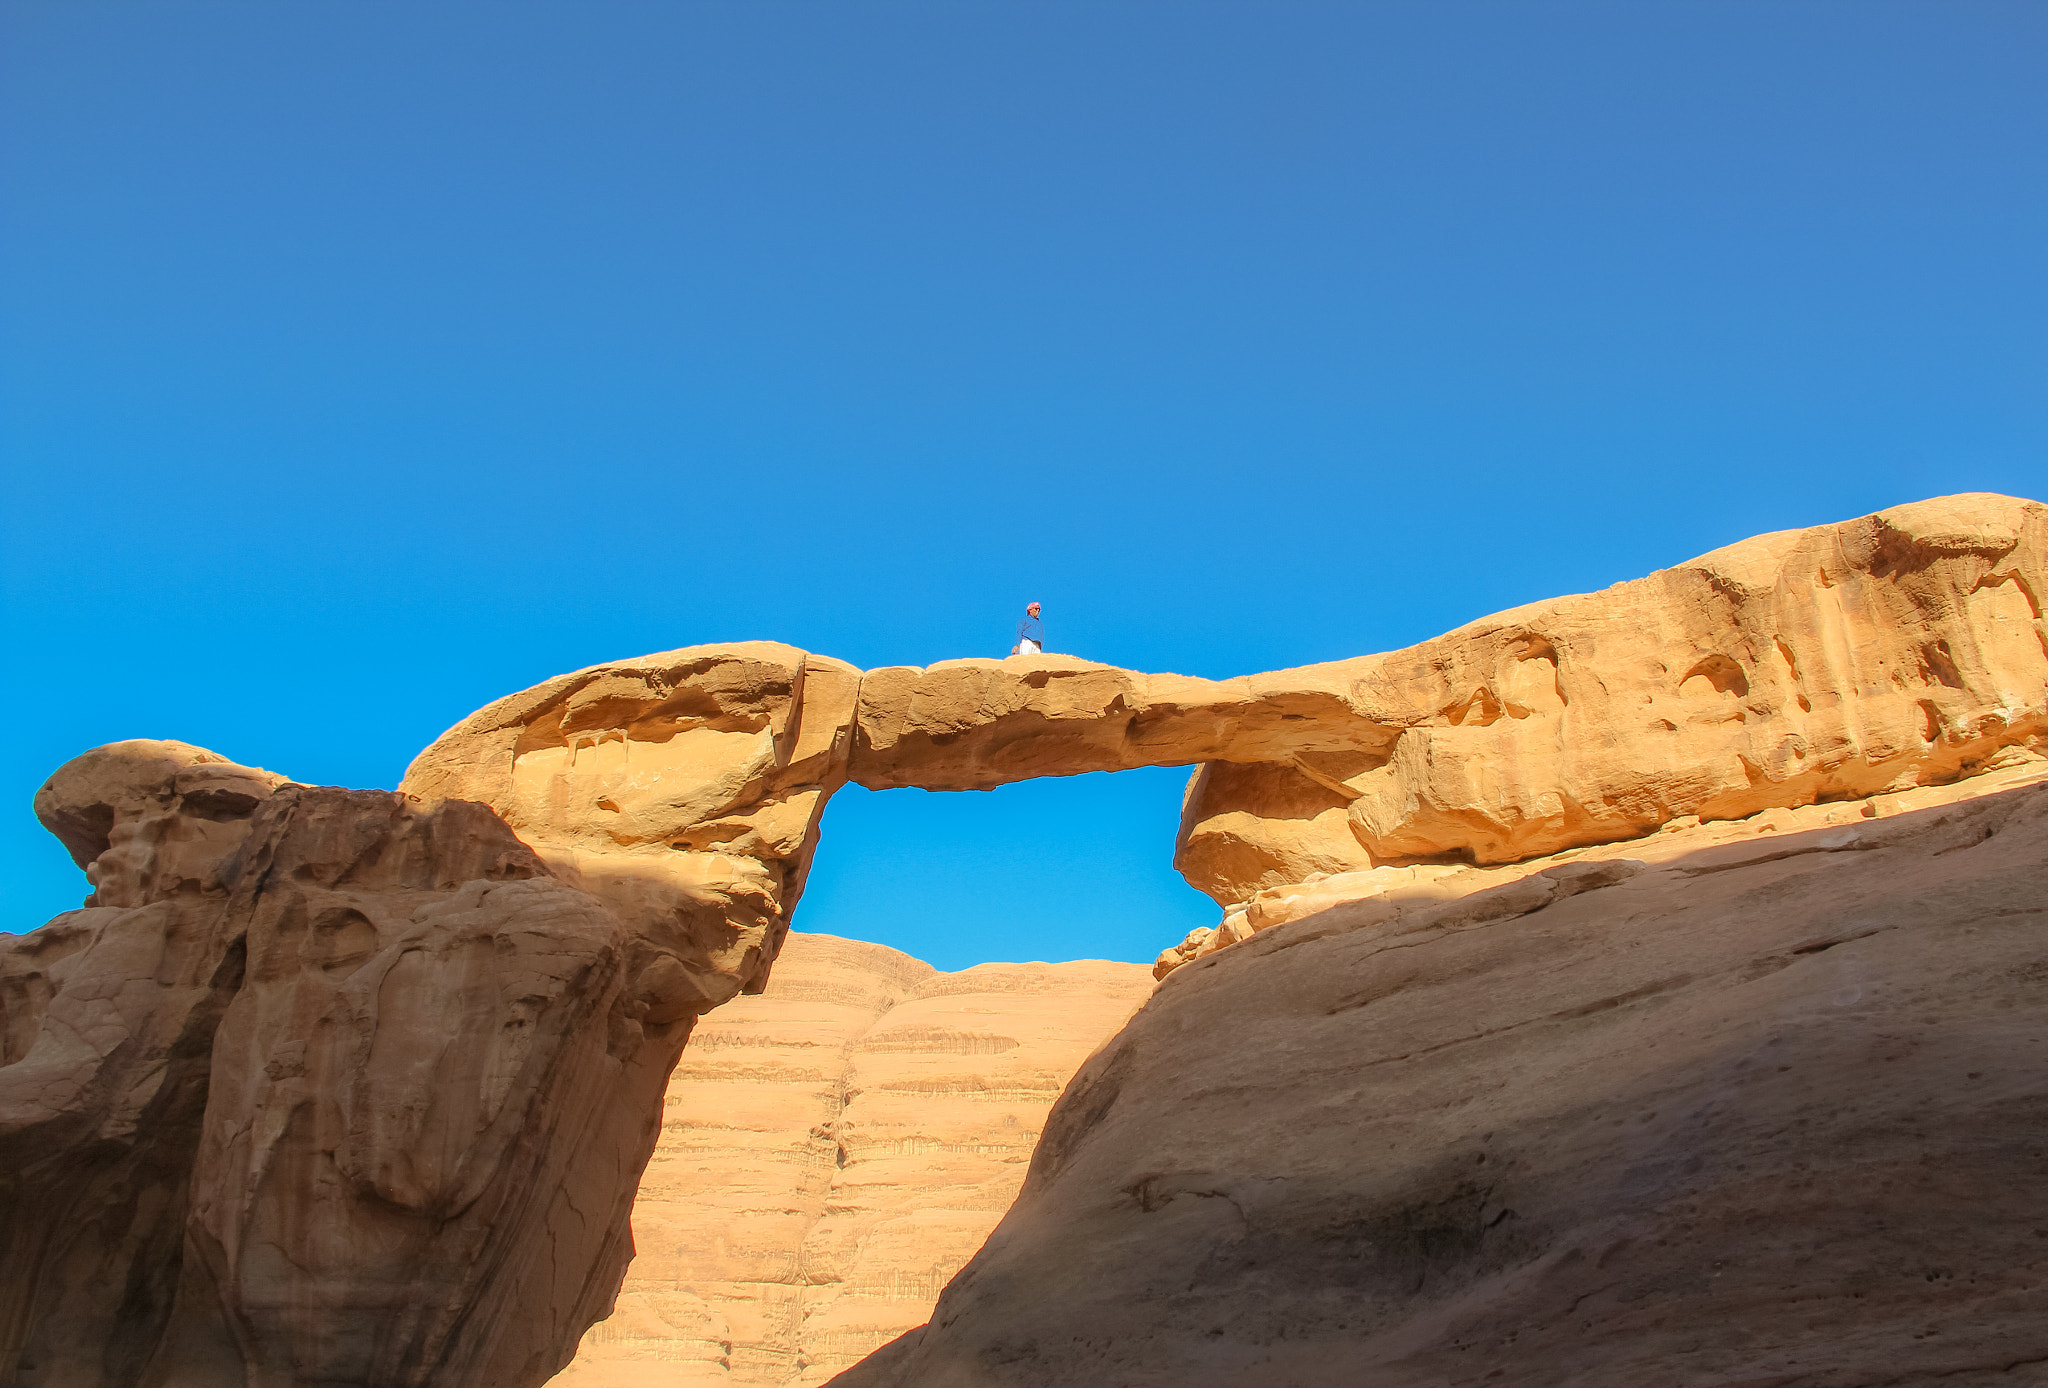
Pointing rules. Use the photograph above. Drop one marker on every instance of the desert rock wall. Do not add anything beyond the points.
(1751, 1102)
(832, 1151)
(353, 1087)
(320, 1087)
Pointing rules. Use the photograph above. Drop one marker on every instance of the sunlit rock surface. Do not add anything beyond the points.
(1900, 649)
(332, 1087)
(832, 1151)
(683, 789)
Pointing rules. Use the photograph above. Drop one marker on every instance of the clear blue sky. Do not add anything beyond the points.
(362, 362)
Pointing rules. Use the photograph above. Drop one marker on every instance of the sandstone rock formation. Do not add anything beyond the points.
(320, 1087)
(977, 724)
(1901, 649)
(1732, 1104)
(832, 1152)
(683, 789)
(303, 1092)
(1904, 648)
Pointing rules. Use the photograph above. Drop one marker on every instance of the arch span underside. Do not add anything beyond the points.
(1902, 648)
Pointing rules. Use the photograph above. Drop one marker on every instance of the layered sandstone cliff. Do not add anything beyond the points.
(334, 1087)
(1736, 1104)
(833, 1151)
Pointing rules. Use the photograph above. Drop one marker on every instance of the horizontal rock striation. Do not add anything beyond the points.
(833, 1151)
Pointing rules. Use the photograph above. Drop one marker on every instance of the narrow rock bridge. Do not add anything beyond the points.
(1898, 649)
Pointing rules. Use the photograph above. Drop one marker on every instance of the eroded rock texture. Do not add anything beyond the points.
(686, 788)
(1900, 649)
(321, 1087)
(1730, 1105)
(328, 1087)
(833, 1151)
(977, 724)
(683, 789)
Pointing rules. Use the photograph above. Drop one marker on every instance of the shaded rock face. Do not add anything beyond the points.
(833, 1151)
(321, 1087)
(1708, 1109)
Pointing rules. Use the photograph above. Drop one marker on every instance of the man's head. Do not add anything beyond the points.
(1032, 608)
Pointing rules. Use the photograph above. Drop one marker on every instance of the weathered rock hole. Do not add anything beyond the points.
(1720, 672)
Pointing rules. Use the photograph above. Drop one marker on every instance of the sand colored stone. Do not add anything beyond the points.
(320, 1087)
(683, 789)
(832, 1151)
(1900, 649)
(1903, 648)
(331, 1087)
(976, 724)
(1732, 1104)
(1394, 889)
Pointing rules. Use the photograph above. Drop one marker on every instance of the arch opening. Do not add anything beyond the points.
(1052, 868)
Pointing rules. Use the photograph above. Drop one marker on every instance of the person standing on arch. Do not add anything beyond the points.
(1030, 633)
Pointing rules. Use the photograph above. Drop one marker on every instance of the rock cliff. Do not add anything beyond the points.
(832, 1152)
(331, 1087)
(320, 1087)
(1734, 1104)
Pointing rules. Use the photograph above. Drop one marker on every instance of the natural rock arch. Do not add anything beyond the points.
(1901, 648)
(305, 1090)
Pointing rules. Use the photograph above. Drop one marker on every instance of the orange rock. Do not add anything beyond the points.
(832, 1151)
(682, 789)
(299, 1093)
(1901, 649)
